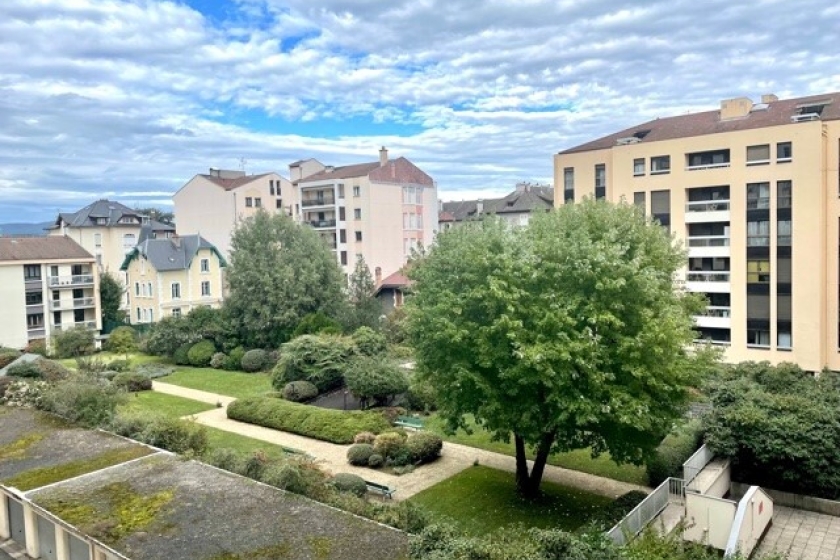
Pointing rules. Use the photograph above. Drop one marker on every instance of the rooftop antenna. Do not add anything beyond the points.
(242, 162)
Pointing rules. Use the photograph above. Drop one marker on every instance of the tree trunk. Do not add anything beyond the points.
(522, 481)
(529, 485)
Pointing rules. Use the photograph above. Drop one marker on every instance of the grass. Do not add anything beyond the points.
(221, 439)
(167, 404)
(134, 359)
(229, 383)
(578, 460)
(480, 500)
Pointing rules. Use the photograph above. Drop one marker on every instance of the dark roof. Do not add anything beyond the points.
(52, 247)
(230, 184)
(108, 209)
(175, 253)
(526, 198)
(343, 172)
(775, 113)
(399, 170)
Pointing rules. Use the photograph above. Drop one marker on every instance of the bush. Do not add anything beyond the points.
(153, 371)
(254, 360)
(321, 360)
(611, 514)
(132, 382)
(182, 354)
(234, 359)
(122, 340)
(352, 483)
(369, 342)
(52, 370)
(225, 459)
(299, 391)
(28, 370)
(159, 430)
(200, 353)
(389, 444)
(359, 454)
(7, 357)
(336, 426)
(678, 446)
(376, 461)
(91, 364)
(37, 347)
(420, 397)
(424, 447)
(218, 360)
(364, 437)
(75, 341)
(83, 399)
(316, 323)
(375, 379)
(119, 365)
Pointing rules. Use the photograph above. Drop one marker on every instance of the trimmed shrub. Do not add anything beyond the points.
(336, 426)
(272, 358)
(226, 459)
(678, 446)
(200, 353)
(351, 483)
(300, 391)
(7, 357)
(119, 365)
(364, 437)
(375, 379)
(52, 370)
(28, 370)
(153, 371)
(122, 340)
(218, 360)
(424, 447)
(316, 323)
(182, 354)
(376, 461)
(75, 341)
(369, 342)
(154, 428)
(359, 454)
(234, 359)
(389, 444)
(254, 360)
(321, 360)
(83, 399)
(37, 347)
(132, 382)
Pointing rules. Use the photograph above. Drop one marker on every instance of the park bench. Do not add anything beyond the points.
(380, 489)
(409, 422)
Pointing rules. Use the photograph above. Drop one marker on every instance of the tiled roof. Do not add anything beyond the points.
(343, 172)
(399, 170)
(395, 280)
(526, 198)
(86, 217)
(230, 184)
(171, 254)
(776, 113)
(34, 249)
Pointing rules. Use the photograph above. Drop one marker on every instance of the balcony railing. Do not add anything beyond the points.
(707, 276)
(61, 326)
(326, 201)
(700, 166)
(717, 311)
(74, 280)
(322, 223)
(708, 241)
(707, 206)
(77, 302)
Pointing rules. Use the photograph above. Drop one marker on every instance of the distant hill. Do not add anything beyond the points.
(24, 229)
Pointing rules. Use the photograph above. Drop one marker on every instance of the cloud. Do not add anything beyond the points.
(124, 97)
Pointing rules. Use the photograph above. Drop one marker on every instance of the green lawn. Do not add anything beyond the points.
(135, 359)
(480, 499)
(230, 383)
(168, 404)
(220, 439)
(579, 460)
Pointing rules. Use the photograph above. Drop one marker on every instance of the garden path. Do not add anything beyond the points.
(333, 457)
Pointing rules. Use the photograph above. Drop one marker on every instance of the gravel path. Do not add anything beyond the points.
(333, 457)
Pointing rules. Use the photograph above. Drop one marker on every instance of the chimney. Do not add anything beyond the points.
(479, 206)
(214, 171)
(176, 241)
(378, 274)
(735, 108)
(383, 156)
(769, 98)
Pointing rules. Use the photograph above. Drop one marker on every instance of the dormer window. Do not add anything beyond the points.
(812, 108)
(101, 221)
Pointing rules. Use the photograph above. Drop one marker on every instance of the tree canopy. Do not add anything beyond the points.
(110, 298)
(279, 272)
(365, 310)
(567, 334)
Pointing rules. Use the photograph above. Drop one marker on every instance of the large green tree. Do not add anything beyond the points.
(364, 310)
(110, 298)
(279, 272)
(566, 334)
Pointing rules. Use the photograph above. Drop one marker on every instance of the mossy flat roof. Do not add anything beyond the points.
(163, 506)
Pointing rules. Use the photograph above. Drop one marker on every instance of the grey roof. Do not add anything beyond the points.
(175, 253)
(111, 211)
(526, 198)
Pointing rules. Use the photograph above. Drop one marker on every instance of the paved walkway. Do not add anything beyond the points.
(333, 457)
(802, 535)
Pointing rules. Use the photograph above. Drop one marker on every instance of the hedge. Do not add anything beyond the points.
(201, 353)
(336, 426)
(254, 360)
(674, 450)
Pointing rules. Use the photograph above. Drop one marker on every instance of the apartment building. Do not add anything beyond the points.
(515, 208)
(46, 284)
(381, 210)
(753, 191)
(170, 277)
(212, 204)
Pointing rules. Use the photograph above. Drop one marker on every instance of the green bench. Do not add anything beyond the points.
(377, 488)
(409, 422)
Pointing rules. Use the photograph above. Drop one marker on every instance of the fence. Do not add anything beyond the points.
(642, 514)
(694, 464)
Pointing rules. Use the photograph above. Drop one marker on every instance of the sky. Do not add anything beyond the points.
(128, 100)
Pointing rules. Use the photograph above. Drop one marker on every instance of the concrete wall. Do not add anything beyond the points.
(708, 519)
(755, 511)
(788, 499)
(13, 306)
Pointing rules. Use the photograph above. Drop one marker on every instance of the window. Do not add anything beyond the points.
(357, 191)
(638, 167)
(783, 232)
(32, 272)
(129, 241)
(659, 165)
(137, 289)
(758, 155)
(143, 290)
(568, 185)
(758, 337)
(758, 196)
(205, 288)
(271, 187)
(704, 160)
(357, 213)
(138, 315)
(176, 312)
(784, 152)
(101, 221)
(660, 206)
(344, 258)
(639, 200)
(176, 290)
(785, 340)
(205, 265)
(150, 289)
(358, 236)
(258, 202)
(758, 234)
(151, 315)
(34, 298)
(278, 203)
(342, 236)
(600, 180)
(758, 271)
(97, 239)
(249, 202)
(35, 320)
(784, 193)
(342, 213)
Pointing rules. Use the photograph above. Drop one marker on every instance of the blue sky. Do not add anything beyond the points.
(129, 99)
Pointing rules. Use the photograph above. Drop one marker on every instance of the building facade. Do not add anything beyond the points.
(515, 208)
(46, 284)
(381, 210)
(212, 204)
(753, 191)
(170, 277)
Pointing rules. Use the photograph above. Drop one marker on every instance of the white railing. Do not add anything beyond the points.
(708, 241)
(633, 523)
(707, 276)
(707, 206)
(706, 166)
(696, 463)
(77, 302)
(717, 311)
(71, 280)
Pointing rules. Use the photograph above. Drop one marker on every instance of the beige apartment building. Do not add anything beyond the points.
(46, 284)
(212, 204)
(381, 210)
(753, 190)
(170, 277)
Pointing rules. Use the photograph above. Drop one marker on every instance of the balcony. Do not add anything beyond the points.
(707, 211)
(325, 201)
(74, 304)
(86, 324)
(32, 284)
(715, 317)
(75, 280)
(708, 246)
(708, 281)
(317, 224)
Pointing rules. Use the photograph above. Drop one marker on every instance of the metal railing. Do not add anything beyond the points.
(638, 518)
(322, 223)
(71, 280)
(707, 206)
(696, 463)
(76, 302)
(708, 241)
(717, 311)
(326, 201)
(706, 166)
(707, 276)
